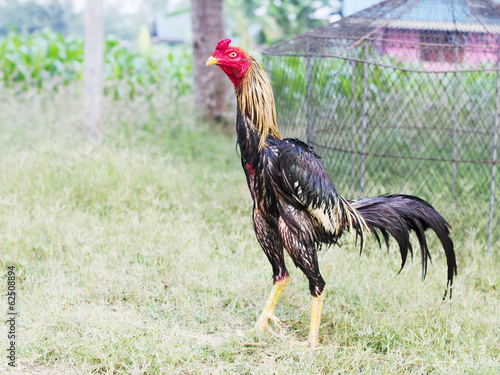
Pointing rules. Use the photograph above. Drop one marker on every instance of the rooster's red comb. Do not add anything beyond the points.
(223, 44)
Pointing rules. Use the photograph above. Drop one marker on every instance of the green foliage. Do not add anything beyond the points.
(31, 59)
(48, 60)
(280, 20)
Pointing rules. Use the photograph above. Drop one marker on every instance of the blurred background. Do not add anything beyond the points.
(169, 21)
(146, 41)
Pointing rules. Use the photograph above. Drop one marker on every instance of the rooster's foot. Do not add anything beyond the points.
(264, 321)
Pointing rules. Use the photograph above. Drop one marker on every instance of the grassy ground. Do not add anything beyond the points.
(138, 256)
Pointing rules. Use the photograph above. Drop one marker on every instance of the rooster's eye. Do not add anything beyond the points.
(232, 55)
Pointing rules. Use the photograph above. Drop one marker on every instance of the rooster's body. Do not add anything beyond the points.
(296, 206)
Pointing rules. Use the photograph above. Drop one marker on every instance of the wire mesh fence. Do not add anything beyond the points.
(402, 97)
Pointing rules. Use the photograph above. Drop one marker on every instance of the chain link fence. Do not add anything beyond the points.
(402, 97)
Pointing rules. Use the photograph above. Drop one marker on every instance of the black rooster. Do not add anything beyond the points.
(296, 206)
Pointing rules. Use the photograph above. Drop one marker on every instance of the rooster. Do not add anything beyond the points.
(295, 204)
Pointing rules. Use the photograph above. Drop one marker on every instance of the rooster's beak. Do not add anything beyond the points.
(211, 61)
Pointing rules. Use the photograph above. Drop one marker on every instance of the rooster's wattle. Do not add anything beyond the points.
(296, 206)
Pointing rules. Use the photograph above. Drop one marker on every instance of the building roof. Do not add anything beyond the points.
(460, 15)
(338, 38)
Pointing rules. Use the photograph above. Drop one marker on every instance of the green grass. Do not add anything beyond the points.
(137, 256)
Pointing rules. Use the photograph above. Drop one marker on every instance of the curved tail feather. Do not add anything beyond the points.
(397, 215)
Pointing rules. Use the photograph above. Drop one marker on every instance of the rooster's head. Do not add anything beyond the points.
(234, 61)
(253, 89)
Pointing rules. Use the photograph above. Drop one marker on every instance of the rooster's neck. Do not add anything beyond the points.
(256, 103)
(248, 138)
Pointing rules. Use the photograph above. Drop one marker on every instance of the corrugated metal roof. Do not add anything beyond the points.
(461, 16)
(446, 11)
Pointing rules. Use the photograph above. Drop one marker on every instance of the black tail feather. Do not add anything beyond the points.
(397, 215)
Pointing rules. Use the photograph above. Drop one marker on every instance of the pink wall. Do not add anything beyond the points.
(479, 50)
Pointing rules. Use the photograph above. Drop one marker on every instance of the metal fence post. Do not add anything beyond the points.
(353, 126)
(494, 159)
(364, 125)
(455, 119)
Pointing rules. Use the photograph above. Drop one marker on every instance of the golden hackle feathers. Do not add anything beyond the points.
(256, 100)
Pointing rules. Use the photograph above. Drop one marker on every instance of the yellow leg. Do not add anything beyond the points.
(267, 313)
(317, 304)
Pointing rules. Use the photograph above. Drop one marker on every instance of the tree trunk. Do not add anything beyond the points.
(213, 91)
(93, 67)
